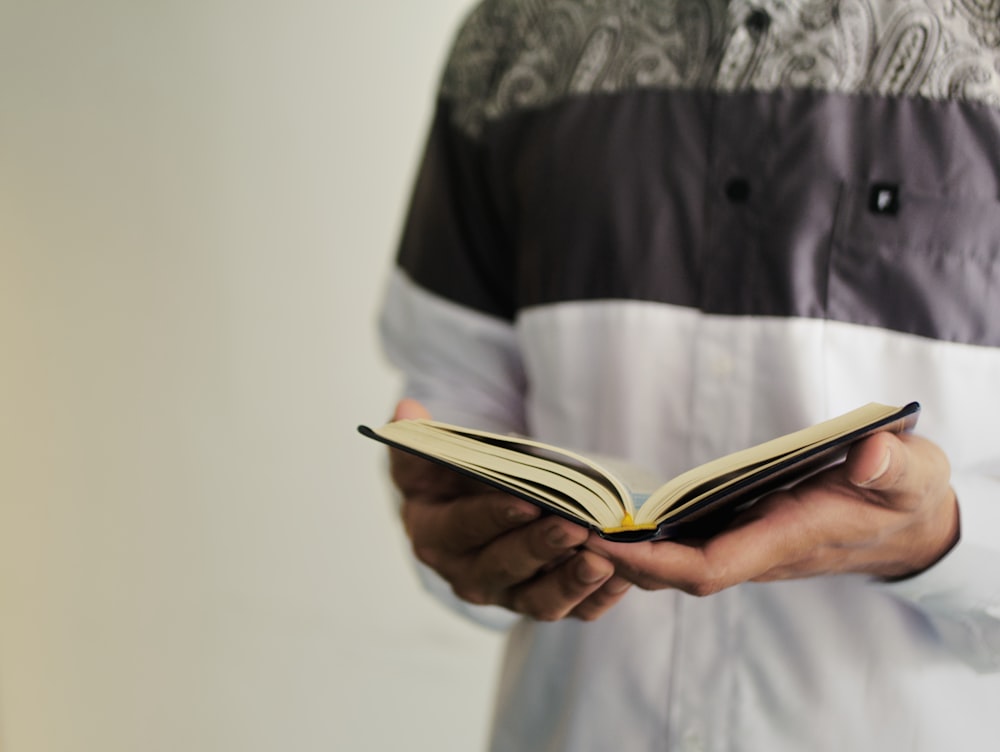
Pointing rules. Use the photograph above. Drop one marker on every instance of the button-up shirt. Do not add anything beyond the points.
(670, 230)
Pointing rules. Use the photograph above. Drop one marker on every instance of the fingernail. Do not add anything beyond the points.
(617, 585)
(522, 514)
(883, 466)
(588, 575)
(556, 536)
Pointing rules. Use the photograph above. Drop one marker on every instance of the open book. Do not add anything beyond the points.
(621, 502)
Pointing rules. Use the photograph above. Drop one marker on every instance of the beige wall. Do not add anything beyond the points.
(198, 203)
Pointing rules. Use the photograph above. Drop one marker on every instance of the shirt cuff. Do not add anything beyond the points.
(960, 594)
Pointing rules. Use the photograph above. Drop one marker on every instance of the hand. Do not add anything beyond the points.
(888, 510)
(494, 548)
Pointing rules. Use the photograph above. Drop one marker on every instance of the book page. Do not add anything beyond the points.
(512, 460)
(730, 469)
(618, 497)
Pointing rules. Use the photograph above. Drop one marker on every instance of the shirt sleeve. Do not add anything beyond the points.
(960, 595)
(447, 317)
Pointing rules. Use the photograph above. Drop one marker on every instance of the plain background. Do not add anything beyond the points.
(198, 205)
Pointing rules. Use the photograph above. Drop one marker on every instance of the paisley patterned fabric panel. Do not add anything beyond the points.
(517, 54)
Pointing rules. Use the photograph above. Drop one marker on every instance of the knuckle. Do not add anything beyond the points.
(406, 514)
(533, 608)
(704, 588)
(590, 610)
(467, 526)
(700, 587)
(645, 581)
(471, 593)
(557, 536)
(427, 555)
(507, 570)
(545, 614)
(501, 514)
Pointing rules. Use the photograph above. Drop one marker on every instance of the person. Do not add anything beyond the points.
(667, 230)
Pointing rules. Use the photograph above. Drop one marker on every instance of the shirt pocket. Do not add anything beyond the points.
(916, 263)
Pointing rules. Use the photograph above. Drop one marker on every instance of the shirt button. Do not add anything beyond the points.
(758, 21)
(884, 199)
(737, 190)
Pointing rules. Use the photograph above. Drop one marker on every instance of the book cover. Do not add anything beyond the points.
(601, 494)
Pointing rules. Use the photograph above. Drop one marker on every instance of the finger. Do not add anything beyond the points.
(556, 594)
(410, 409)
(901, 470)
(877, 463)
(652, 566)
(781, 533)
(464, 524)
(512, 559)
(414, 476)
(488, 575)
(601, 600)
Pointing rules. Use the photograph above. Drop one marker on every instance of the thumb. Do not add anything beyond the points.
(408, 409)
(876, 462)
(901, 469)
(414, 475)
